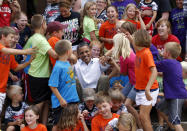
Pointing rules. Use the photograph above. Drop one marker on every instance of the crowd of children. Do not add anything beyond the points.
(92, 68)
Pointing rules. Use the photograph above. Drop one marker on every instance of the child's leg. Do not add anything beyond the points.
(10, 128)
(145, 117)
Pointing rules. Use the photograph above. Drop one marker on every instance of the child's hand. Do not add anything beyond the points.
(108, 128)
(63, 103)
(129, 37)
(147, 26)
(100, 21)
(85, 113)
(148, 95)
(14, 78)
(31, 51)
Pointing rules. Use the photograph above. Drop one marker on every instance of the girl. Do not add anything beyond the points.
(31, 117)
(108, 30)
(71, 119)
(96, 49)
(89, 22)
(133, 15)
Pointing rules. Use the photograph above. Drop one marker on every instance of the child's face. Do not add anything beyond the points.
(84, 54)
(9, 40)
(104, 109)
(59, 34)
(65, 12)
(89, 104)
(22, 22)
(118, 27)
(92, 11)
(123, 128)
(19, 96)
(95, 51)
(163, 29)
(101, 4)
(111, 13)
(131, 12)
(31, 117)
(116, 105)
(165, 53)
(179, 3)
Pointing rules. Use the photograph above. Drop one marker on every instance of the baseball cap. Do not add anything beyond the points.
(88, 94)
(54, 26)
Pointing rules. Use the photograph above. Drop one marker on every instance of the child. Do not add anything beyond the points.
(100, 121)
(146, 85)
(14, 113)
(31, 116)
(133, 15)
(88, 108)
(39, 70)
(62, 81)
(54, 29)
(117, 101)
(174, 87)
(107, 29)
(148, 5)
(89, 22)
(96, 49)
(71, 119)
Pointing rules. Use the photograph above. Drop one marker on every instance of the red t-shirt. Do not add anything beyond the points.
(144, 61)
(160, 43)
(107, 30)
(52, 41)
(7, 62)
(5, 15)
(99, 123)
(79, 127)
(40, 127)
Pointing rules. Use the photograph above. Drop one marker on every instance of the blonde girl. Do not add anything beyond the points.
(96, 49)
(133, 15)
(90, 31)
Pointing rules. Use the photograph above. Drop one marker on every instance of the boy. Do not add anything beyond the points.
(62, 81)
(100, 121)
(54, 29)
(39, 71)
(174, 87)
(14, 113)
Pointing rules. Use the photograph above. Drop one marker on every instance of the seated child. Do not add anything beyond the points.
(104, 104)
(88, 108)
(71, 119)
(117, 101)
(14, 113)
(31, 116)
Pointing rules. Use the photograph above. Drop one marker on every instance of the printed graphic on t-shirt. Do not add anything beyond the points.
(4, 58)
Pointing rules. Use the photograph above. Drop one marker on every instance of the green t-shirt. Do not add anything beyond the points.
(40, 66)
(89, 26)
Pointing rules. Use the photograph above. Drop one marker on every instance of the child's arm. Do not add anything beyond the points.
(62, 101)
(84, 123)
(18, 52)
(13, 77)
(52, 53)
(152, 20)
(92, 36)
(141, 20)
(150, 82)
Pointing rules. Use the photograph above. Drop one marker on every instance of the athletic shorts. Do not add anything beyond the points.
(39, 89)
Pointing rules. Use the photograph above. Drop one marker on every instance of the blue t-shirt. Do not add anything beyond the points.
(123, 80)
(121, 5)
(63, 79)
(174, 87)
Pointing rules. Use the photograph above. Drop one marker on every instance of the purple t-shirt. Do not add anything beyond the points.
(121, 5)
(128, 66)
(174, 87)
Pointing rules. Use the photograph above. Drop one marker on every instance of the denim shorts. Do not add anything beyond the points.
(129, 92)
(172, 108)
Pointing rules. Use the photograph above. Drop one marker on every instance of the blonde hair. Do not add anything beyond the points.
(127, 120)
(98, 43)
(121, 46)
(184, 66)
(116, 95)
(125, 11)
(13, 90)
(173, 48)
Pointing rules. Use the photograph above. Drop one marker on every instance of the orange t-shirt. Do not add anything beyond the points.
(40, 127)
(99, 123)
(144, 61)
(52, 41)
(7, 62)
(1, 46)
(79, 127)
(107, 30)
(136, 23)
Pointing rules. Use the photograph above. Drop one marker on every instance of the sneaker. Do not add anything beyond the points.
(159, 128)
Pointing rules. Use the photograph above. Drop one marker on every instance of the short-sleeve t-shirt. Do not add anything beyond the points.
(7, 62)
(40, 127)
(144, 61)
(40, 66)
(160, 43)
(89, 26)
(107, 30)
(128, 66)
(99, 123)
(62, 77)
(52, 41)
(136, 23)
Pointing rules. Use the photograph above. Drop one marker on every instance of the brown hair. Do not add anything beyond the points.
(166, 22)
(131, 28)
(65, 4)
(142, 38)
(116, 95)
(5, 31)
(62, 46)
(37, 21)
(102, 97)
(34, 108)
(173, 48)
